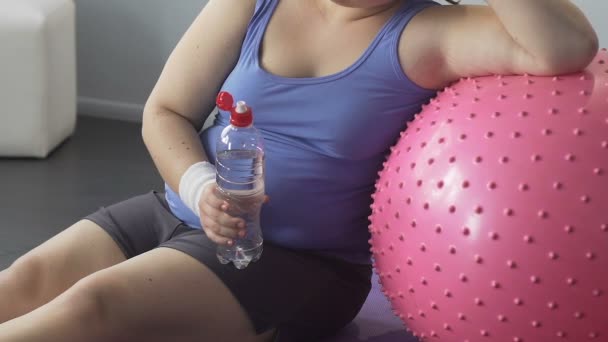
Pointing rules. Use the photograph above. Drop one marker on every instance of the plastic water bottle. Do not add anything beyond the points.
(240, 179)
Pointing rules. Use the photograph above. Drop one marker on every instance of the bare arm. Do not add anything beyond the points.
(541, 37)
(185, 93)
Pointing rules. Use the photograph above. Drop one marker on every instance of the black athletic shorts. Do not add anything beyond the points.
(305, 296)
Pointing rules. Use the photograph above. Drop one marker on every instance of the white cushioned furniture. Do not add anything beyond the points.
(37, 76)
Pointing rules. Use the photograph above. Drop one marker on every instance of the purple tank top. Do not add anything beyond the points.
(325, 138)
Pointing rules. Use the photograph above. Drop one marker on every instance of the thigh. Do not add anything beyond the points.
(103, 239)
(58, 263)
(166, 295)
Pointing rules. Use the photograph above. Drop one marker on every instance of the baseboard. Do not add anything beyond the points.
(108, 109)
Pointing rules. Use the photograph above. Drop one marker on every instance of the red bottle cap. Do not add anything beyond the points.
(240, 115)
(224, 100)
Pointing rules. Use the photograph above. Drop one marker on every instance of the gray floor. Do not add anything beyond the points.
(104, 162)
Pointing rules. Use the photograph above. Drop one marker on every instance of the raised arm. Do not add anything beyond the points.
(540, 37)
(185, 93)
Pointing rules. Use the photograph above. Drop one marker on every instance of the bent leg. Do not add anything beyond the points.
(160, 295)
(49, 269)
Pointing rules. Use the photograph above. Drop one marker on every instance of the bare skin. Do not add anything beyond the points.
(55, 266)
(78, 285)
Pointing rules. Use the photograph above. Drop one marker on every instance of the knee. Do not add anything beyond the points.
(25, 278)
(97, 301)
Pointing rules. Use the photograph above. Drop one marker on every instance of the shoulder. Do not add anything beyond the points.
(238, 8)
(443, 43)
(419, 46)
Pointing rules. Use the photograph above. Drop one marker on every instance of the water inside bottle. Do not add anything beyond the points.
(241, 182)
(240, 171)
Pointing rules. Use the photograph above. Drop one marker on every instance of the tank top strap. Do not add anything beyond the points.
(256, 28)
(388, 53)
(406, 14)
(259, 4)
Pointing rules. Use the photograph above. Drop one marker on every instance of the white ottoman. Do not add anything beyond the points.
(37, 76)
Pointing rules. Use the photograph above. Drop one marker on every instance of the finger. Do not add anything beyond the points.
(222, 217)
(210, 209)
(227, 232)
(231, 222)
(219, 240)
(213, 197)
(209, 224)
(266, 199)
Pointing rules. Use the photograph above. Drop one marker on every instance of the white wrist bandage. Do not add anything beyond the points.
(193, 182)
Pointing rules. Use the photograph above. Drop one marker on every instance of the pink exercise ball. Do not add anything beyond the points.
(490, 216)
